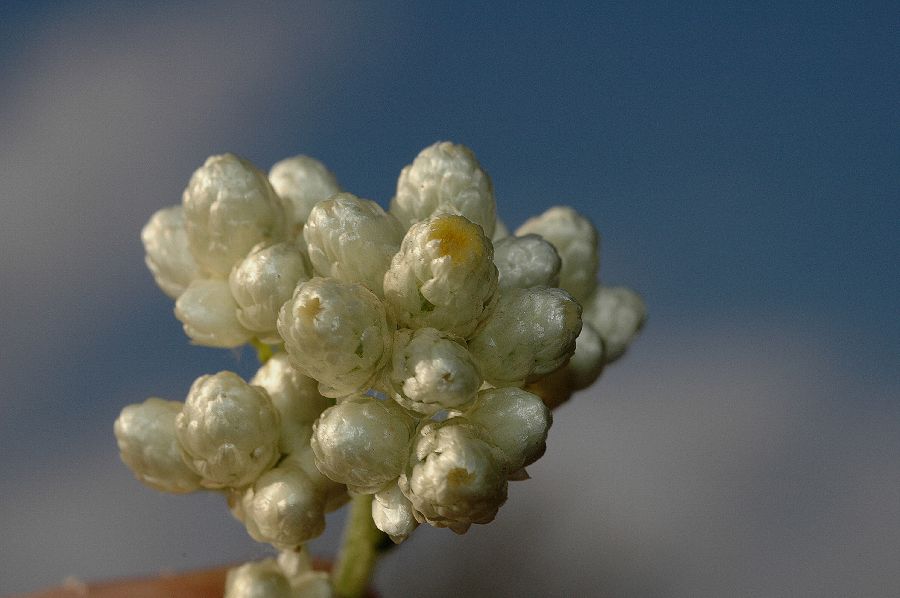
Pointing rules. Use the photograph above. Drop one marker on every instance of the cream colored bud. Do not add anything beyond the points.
(531, 333)
(296, 398)
(302, 182)
(583, 369)
(261, 579)
(393, 513)
(352, 239)
(262, 282)
(527, 261)
(454, 478)
(229, 206)
(443, 276)
(362, 442)
(146, 436)
(431, 372)
(445, 178)
(578, 244)
(208, 313)
(228, 430)
(168, 256)
(337, 333)
(589, 358)
(283, 507)
(618, 314)
(516, 421)
(335, 493)
(305, 581)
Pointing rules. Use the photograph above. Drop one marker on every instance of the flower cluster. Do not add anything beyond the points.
(418, 351)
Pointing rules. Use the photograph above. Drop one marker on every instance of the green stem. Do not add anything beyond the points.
(359, 550)
(263, 351)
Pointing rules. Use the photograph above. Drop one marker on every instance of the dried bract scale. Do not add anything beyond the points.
(362, 442)
(352, 239)
(618, 314)
(208, 312)
(145, 434)
(578, 244)
(167, 255)
(531, 333)
(527, 261)
(443, 276)
(337, 333)
(445, 178)
(228, 430)
(393, 513)
(229, 206)
(301, 182)
(262, 282)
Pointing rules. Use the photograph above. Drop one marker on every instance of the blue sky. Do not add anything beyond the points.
(742, 163)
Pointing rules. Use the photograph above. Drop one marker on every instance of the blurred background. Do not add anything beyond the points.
(741, 160)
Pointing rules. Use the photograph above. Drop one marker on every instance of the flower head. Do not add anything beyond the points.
(445, 178)
(337, 333)
(229, 206)
(443, 277)
(228, 430)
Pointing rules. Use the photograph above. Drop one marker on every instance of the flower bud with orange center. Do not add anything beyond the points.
(443, 277)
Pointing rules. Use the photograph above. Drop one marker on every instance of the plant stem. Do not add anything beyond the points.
(263, 351)
(359, 550)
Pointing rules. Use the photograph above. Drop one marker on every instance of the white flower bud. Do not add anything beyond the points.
(335, 493)
(229, 207)
(228, 430)
(261, 579)
(618, 314)
(283, 507)
(296, 398)
(393, 513)
(443, 276)
(454, 478)
(583, 369)
(362, 442)
(430, 372)
(306, 582)
(337, 333)
(531, 333)
(209, 315)
(578, 244)
(146, 436)
(302, 182)
(516, 421)
(262, 282)
(527, 261)
(168, 256)
(589, 358)
(352, 239)
(445, 178)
